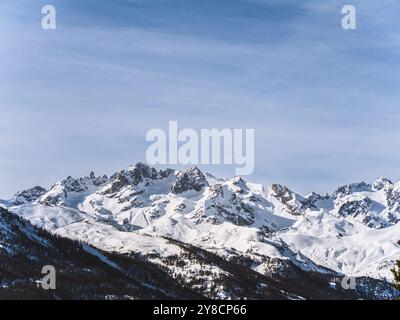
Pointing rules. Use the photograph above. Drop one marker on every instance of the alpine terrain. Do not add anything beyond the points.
(147, 234)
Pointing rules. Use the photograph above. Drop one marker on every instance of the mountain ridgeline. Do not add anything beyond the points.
(146, 234)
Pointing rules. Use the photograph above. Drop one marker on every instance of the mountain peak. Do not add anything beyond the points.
(381, 182)
(28, 195)
(141, 167)
(190, 179)
(141, 202)
(70, 190)
(238, 181)
(133, 175)
(351, 188)
(292, 202)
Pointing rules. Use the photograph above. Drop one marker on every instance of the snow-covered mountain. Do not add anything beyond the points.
(273, 231)
(27, 196)
(82, 271)
(70, 191)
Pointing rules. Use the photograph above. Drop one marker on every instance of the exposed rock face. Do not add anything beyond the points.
(293, 203)
(131, 176)
(393, 202)
(353, 201)
(361, 208)
(141, 209)
(381, 183)
(70, 190)
(354, 208)
(192, 179)
(315, 198)
(351, 188)
(222, 204)
(28, 196)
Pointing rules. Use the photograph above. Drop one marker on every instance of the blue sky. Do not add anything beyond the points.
(324, 102)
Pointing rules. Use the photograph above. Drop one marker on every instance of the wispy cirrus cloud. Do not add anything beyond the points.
(323, 101)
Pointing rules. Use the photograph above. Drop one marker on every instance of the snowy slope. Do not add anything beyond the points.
(27, 196)
(190, 268)
(71, 191)
(354, 231)
(82, 271)
(346, 246)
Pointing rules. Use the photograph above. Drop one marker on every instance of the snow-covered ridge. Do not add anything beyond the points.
(353, 231)
(71, 191)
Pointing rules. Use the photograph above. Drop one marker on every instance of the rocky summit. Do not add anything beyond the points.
(193, 235)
